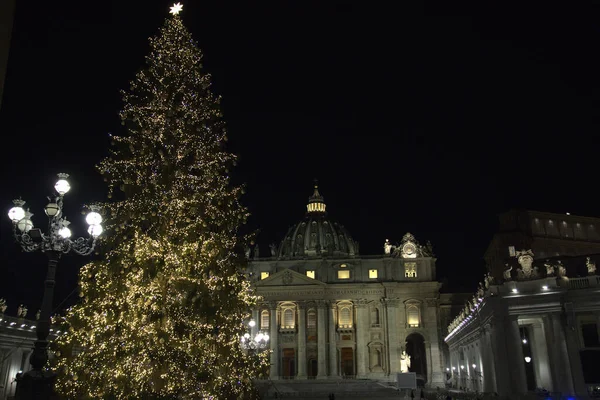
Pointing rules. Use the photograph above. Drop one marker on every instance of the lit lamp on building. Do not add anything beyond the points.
(258, 341)
(37, 383)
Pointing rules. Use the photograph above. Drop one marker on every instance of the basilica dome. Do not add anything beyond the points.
(316, 235)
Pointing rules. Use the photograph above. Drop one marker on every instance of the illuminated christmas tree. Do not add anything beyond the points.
(163, 311)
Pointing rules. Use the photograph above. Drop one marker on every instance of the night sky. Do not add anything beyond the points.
(415, 118)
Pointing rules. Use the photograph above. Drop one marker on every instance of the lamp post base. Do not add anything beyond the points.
(36, 385)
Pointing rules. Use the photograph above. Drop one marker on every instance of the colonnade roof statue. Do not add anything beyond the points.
(316, 235)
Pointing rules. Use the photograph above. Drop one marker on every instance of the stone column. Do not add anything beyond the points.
(514, 346)
(487, 361)
(435, 370)
(391, 309)
(362, 330)
(301, 342)
(573, 348)
(255, 317)
(541, 361)
(500, 357)
(273, 339)
(559, 357)
(321, 341)
(333, 353)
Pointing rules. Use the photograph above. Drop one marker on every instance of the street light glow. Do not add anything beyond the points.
(93, 218)
(64, 232)
(62, 186)
(16, 214)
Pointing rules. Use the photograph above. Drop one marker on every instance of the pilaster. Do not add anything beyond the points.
(301, 342)
(321, 340)
(391, 308)
(333, 352)
(362, 352)
(436, 374)
(274, 340)
(516, 364)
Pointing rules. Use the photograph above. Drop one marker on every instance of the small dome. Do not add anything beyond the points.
(316, 235)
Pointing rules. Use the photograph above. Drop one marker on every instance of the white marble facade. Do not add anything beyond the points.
(332, 313)
(536, 330)
(16, 343)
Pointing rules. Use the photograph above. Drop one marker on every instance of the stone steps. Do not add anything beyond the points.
(320, 389)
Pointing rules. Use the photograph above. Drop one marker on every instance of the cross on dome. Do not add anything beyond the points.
(176, 8)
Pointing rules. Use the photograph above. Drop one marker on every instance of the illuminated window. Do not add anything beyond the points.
(412, 316)
(372, 274)
(264, 275)
(311, 319)
(264, 319)
(410, 269)
(344, 274)
(310, 274)
(288, 318)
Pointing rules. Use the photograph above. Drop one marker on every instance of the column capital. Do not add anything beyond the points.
(392, 302)
(322, 303)
(431, 302)
(360, 303)
(272, 304)
(301, 304)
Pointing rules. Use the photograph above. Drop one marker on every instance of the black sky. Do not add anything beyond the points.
(422, 118)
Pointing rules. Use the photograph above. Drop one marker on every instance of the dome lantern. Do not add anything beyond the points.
(316, 202)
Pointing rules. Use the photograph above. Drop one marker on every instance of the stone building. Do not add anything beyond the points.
(546, 234)
(535, 329)
(331, 312)
(17, 335)
(16, 342)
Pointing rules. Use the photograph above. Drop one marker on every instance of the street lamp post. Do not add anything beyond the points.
(37, 383)
(258, 341)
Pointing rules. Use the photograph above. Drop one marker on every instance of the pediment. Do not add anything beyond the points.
(288, 277)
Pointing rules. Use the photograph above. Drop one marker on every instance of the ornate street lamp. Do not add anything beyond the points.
(37, 383)
(258, 341)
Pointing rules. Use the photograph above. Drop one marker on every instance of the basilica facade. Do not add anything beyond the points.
(333, 313)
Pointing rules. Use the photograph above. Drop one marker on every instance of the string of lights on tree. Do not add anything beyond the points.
(163, 310)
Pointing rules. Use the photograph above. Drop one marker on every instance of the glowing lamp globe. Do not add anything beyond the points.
(246, 335)
(25, 225)
(95, 230)
(93, 218)
(16, 214)
(62, 186)
(259, 337)
(64, 232)
(252, 324)
(52, 209)
(266, 337)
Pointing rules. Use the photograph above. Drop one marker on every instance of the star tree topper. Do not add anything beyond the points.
(176, 8)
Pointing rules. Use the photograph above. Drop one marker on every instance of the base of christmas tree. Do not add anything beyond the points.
(36, 385)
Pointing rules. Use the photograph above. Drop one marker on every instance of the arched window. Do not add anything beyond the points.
(288, 318)
(264, 319)
(311, 319)
(413, 317)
